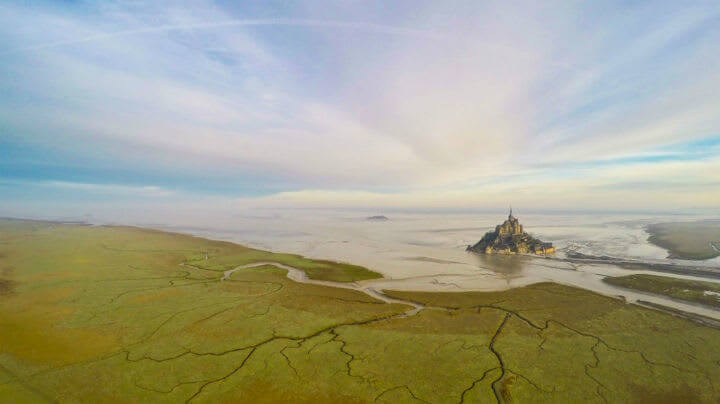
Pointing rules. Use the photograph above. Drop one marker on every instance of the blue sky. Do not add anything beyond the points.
(460, 104)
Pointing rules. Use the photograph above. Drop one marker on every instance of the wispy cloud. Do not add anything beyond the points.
(374, 28)
(109, 190)
(437, 103)
(112, 189)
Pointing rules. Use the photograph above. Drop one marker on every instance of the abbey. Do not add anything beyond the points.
(510, 238)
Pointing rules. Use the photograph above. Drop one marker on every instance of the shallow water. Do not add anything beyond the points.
(427, 251)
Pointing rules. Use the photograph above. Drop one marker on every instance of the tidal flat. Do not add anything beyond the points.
(124, 314)
(698, 240)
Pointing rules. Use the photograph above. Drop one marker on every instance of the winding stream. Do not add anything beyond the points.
(374, 287)
(300, 276)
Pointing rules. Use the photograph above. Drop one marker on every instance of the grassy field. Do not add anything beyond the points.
(115, 314)
(707, 293)
(687, 240)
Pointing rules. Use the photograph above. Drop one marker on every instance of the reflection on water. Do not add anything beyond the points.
(507, 266)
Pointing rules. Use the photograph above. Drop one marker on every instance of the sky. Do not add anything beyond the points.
(453, 105)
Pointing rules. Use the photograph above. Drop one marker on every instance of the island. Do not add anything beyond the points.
(510, 238)
(379, 218)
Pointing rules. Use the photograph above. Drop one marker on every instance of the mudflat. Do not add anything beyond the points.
(134, 315)
(697, 240)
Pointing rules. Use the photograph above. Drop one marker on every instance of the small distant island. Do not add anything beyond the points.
(379, 218)
(510, 238)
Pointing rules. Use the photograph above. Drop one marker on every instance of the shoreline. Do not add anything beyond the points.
(694, 313)
(489, 282)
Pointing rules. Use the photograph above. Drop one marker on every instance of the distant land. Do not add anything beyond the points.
(699, 240)
(379, 218)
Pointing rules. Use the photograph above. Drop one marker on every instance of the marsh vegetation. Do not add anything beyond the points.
(707, 293)
(94, 313)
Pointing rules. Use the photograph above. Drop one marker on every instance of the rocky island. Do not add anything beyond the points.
(510, 238)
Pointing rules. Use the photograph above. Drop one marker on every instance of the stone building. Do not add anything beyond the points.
(510, 238)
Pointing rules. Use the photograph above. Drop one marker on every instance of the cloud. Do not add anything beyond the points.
(389, 30)
(110, 190)
(436, 104)
(641, 187)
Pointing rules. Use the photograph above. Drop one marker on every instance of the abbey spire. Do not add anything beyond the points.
(511, 238)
